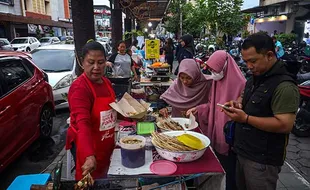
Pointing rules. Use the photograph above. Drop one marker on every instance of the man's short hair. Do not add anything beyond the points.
(262, 42)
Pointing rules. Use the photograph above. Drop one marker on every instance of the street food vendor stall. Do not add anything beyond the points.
(155, 155)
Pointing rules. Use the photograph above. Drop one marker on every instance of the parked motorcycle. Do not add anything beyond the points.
(301, 126)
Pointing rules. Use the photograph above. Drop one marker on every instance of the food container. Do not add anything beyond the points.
(183, 156)
(133, 151)
(130, 107)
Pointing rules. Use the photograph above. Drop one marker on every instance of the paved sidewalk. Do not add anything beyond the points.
(298, 154)
(289, 178)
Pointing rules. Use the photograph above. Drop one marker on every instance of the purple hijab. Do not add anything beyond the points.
(181, 97)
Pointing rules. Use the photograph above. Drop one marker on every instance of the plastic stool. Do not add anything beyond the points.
(24, 182)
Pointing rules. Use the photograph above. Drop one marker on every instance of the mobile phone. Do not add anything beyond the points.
(224, 107)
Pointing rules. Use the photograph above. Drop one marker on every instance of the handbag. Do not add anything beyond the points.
(229, 132)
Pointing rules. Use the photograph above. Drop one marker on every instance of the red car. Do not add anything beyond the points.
(26, 105)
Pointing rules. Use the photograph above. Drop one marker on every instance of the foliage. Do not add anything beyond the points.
(265, 32)
(38, 33)
(52, 33)
(245, 34)
(172, 18)
(225, 16)
(286, 39)
(195, 21)
(218, 16)
(134, 34)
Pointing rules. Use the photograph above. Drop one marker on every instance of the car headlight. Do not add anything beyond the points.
(64, 82)
(21, 47)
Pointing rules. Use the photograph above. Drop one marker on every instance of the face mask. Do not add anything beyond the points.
(218, 76)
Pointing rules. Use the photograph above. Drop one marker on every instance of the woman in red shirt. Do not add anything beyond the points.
(92, 120)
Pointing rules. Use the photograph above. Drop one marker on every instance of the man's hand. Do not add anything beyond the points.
(192, 110)
(164, 112)
(236, 114)
(89, 165)
(233, 104)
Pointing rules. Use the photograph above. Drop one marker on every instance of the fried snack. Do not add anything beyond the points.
(85, 183)
(170, 125)
(169, 143)
(131, 113)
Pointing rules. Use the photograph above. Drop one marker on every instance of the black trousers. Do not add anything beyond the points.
(73, 152)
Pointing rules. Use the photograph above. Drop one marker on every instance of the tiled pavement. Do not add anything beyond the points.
(298, 155)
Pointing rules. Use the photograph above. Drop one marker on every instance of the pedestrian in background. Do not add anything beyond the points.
(186, 51)
(168, 52)
(278, 47)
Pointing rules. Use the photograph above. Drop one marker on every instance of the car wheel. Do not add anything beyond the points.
(46, 122)
(28, 49)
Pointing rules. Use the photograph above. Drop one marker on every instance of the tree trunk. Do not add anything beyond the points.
(83, 26)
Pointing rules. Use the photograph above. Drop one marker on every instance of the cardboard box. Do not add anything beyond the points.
(130, 107)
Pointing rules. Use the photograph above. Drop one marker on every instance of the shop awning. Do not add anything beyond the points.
(29, 20)
(254, 9)
(147, 10)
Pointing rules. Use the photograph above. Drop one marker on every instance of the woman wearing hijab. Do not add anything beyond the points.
(228, 82)
(190, 89)
(187, 50)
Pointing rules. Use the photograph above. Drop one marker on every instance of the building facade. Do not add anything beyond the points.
(102, 16)
(34, 18)
(283, 16)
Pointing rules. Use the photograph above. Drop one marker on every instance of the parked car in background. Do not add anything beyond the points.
(5, 44)
(26, 105)
(25, 43)
(107, 47)
(59, 62)
(103, 39)
(49, 40)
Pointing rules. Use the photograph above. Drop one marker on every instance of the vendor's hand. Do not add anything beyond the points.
(233, 104)
(192, 110)
(109, 64)
(164, 112)
(136, 78)
(89, 165)
(236, 114)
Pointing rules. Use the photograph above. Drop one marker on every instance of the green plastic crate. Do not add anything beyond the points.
(145, 128)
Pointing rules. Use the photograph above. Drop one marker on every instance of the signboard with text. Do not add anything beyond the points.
(152, 50)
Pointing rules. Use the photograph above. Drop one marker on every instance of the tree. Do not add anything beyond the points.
(172, 18)
(225, 16)
(195, 21)
(83, 26)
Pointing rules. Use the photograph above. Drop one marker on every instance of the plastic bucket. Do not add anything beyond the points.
(133, 154)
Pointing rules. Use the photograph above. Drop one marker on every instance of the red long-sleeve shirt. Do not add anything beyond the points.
(81, 100)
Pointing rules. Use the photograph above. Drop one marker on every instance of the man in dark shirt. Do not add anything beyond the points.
(264, 115)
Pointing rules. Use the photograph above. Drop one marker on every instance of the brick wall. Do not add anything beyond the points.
(38, 15)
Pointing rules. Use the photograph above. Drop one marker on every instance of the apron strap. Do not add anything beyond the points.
(110, 89)
(90, 85)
